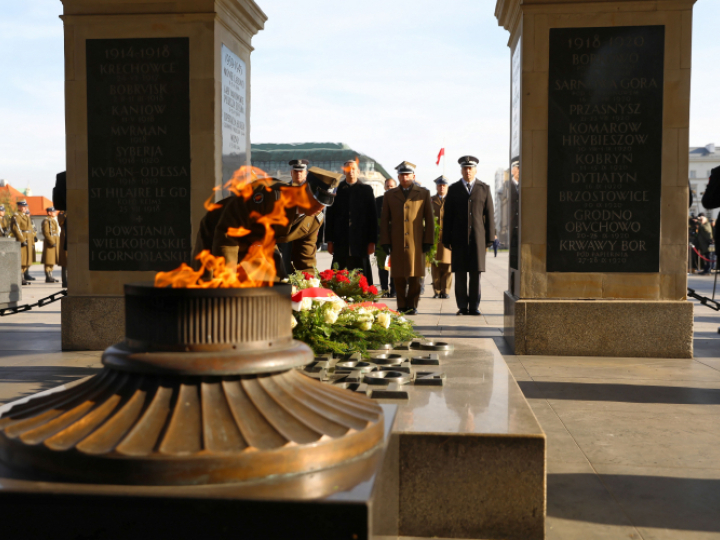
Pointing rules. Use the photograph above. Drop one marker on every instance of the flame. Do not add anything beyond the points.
(257, 268)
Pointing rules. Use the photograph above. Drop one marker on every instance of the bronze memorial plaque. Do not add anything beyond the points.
(604, 149)
(138, 153)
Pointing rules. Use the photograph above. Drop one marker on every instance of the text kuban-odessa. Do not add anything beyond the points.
(145, 172)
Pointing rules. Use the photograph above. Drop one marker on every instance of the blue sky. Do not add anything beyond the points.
(395, 79)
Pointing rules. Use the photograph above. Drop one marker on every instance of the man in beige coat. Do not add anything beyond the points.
(407, 231)
(440, 270)
(51, 244)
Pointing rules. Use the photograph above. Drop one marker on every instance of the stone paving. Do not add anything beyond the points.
(633, 444)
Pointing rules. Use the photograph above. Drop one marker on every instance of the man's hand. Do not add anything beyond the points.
(386, 248)
(331, 248)
(448, 246)
(371, 249)
(427, 247)
(23, 244)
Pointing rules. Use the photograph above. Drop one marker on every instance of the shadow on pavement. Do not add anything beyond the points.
(45, 377)
(659, 502)
(624, 393)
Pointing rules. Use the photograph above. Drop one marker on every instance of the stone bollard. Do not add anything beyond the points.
(10, 278)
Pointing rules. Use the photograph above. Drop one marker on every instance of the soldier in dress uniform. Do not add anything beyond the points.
(51, 244)
(441, 272)
(407, 231)
(62, 220)
(298, 172)
(468, 230)
(4, 223)
(22, 229)
(301, 228)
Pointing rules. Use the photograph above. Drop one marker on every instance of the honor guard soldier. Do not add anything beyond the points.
(51, 244)
(351, 224)
(62, 221)
(468, 230)
(4, 223)
(22, 229)
(407, 231)
(440, 269)
(301, 227)
(298, 173)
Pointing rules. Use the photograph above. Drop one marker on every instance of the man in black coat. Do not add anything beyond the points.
(386, 282)
(351, 224)
(514, 212)
(468, 229)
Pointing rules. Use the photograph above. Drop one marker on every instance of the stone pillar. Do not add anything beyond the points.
(157, 101)
(600, 116)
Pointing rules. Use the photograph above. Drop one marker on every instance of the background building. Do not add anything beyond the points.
(702, 160)
(274, 158)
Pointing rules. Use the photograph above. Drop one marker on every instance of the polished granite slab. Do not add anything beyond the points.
(471, 452)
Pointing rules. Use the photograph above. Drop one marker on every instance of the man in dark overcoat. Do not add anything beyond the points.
(514, 211)
(468, 229)
(351, 224)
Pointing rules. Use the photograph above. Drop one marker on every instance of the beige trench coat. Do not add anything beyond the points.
(22, 230)
(443, 254)
(51, 242)
(406, 225)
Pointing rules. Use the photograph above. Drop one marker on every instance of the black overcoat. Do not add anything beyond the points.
(351, 222)
(468, 225)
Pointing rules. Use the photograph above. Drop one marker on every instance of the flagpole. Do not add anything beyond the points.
(444, 156)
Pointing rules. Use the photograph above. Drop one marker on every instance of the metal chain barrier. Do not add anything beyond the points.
(40, 303)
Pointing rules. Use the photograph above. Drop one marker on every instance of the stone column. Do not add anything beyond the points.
(157, 98)
(600, 123)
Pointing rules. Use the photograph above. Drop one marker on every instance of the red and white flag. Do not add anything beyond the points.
(440, 154)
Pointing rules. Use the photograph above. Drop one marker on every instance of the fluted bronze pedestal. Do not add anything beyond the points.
(203, 390)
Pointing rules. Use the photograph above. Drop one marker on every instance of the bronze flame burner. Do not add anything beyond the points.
(203, 390)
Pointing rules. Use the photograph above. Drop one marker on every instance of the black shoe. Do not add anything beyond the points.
(26, 283)
(28, 277)
(462, 312)
(50, 280)
(392, 295)
(444, 296)
(411, 311)
(474, 312)
(436, 295)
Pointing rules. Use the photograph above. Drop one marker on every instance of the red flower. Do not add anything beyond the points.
(373, 289)
(342, 272)
(308, 276)
(363, 281)
(327, 275)
(342, 279)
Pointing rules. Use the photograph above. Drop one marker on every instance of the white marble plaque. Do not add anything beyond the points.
(234, 112)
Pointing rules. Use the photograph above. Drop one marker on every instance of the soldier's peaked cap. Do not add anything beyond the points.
(441, 180)
(21, 203)
(299, 164)
(2, 207)
(50, 209)
(468, 161)
(406, 168)
(322, 183)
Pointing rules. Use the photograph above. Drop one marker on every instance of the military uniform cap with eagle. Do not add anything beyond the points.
(406, 168)
(441, 180)
(299, 164)
(322, 183)
(468, 161)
